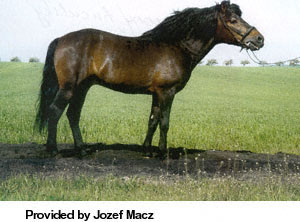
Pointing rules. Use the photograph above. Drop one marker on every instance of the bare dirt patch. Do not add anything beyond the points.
(130, 161)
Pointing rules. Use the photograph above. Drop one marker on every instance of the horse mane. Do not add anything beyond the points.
(235, 9)
(190, 22)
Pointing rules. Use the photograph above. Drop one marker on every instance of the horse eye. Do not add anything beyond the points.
(233, 21)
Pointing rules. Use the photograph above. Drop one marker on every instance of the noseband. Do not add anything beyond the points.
(233, 30)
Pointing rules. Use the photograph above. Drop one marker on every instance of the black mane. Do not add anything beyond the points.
(235, 9)
(190, 22)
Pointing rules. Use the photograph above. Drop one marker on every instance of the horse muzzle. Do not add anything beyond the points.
(254, 43)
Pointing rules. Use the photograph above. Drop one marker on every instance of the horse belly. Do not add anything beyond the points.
(122, 76)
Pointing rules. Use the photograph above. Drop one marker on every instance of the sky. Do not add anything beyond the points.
(28, 26)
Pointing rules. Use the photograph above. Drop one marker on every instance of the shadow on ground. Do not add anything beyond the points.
(130, 161)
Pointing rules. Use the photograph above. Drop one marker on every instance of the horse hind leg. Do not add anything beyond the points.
(73, 114)
(56, 110)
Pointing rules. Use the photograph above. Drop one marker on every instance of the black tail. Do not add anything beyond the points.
(49, 88)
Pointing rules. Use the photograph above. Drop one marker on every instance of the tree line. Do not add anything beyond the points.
(17, 59)
(212, 62)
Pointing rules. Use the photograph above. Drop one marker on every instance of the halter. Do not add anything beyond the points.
(233, 30)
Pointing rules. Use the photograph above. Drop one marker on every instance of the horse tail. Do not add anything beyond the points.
(48, 90)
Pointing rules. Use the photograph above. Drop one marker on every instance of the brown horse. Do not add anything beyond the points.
(159, 63)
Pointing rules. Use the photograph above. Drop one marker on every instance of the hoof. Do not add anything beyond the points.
(162, 155)
(81, 152)
(148, 154)
(148, 151)
(53, 151)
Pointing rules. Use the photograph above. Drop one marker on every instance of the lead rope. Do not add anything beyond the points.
(260, 62)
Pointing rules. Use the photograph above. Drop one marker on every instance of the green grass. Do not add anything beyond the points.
(26, 188)
(255, 109)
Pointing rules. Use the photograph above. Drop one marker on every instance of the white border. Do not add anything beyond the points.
(163, 211)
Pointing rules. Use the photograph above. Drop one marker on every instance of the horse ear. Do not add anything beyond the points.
(224, 6)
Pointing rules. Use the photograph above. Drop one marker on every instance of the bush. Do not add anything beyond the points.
(211, 62)
(228, 62)
(245, 62)
(34, 59)
(294, 62)
(15, 59)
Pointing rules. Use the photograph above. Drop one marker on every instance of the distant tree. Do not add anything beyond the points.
(15, 59)
(294, 62)
(279, 63)
(34, 59)
(245, 62)
(263, 63)
(211, 62)
(228, 62)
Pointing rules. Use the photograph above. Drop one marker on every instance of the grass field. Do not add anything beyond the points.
(136, 189)
(233, 108)
(254, 109)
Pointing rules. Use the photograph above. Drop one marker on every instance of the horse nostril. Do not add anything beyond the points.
(260, 39)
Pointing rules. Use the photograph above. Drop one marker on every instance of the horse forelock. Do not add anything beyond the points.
(235, 9)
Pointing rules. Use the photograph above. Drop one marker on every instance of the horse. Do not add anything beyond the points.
(157, 63)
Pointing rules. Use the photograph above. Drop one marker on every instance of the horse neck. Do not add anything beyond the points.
(198, 44)
(197, 49)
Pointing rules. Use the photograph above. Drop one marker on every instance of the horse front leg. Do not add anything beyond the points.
(152, 124)
(166, 101)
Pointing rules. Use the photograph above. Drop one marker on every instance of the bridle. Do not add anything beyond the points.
(233, 30)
